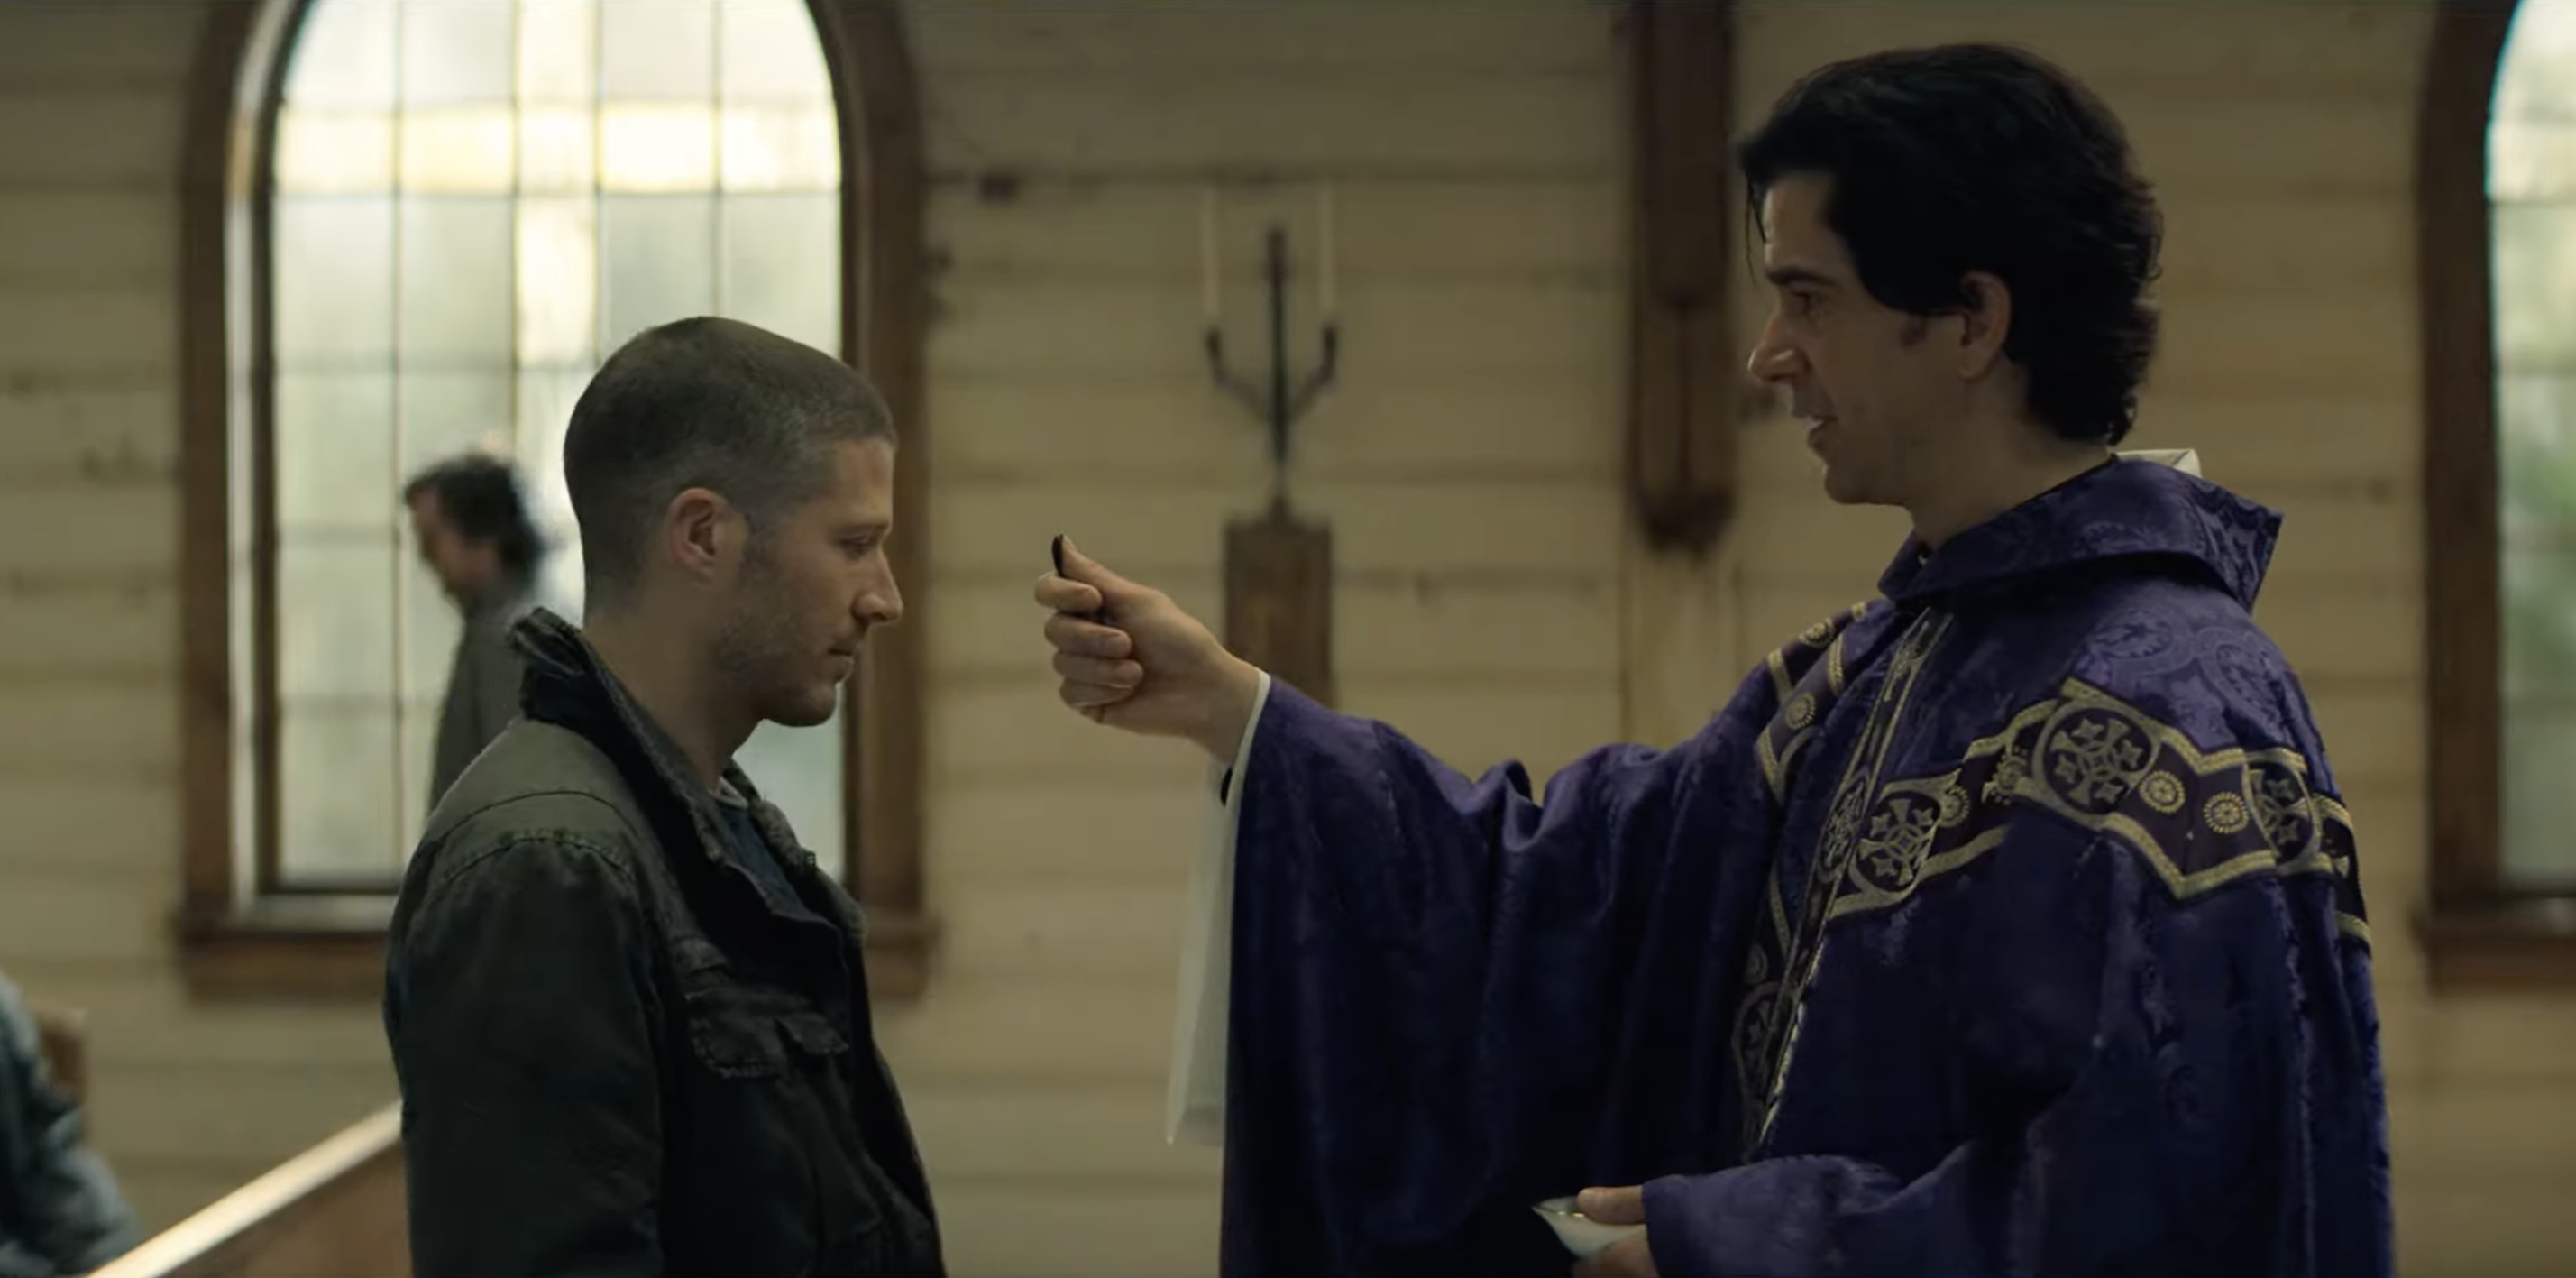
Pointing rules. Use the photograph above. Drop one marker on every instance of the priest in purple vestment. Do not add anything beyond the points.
(2006, 923)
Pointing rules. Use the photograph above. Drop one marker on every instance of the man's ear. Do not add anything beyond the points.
(700, 531)
(1987, 323)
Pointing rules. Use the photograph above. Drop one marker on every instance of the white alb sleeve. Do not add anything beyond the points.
(1195, 1104)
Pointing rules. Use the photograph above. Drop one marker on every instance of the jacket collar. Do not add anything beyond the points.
(568, 684)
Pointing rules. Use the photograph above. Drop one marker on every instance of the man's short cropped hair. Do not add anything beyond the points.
(705, 403)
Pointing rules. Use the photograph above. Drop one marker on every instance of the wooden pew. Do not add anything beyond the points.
(335, 1211)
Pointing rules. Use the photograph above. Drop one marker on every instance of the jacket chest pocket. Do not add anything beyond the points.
(767, 1142)
(751, 1033)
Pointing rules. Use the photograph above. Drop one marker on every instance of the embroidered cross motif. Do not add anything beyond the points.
(2093, 759)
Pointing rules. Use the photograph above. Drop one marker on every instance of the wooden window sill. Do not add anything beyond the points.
(2525, 943)
(332, 950)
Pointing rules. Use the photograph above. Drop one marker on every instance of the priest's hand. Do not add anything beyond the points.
(1130, 658)
(1629, 1257)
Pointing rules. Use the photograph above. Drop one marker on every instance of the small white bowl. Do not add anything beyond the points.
(1581, 1234)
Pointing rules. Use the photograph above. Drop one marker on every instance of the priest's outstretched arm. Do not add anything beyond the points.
(1427, 1001)
(1434, 978)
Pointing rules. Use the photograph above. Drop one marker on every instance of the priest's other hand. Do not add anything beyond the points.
(1130, 658)
(1629, 1257)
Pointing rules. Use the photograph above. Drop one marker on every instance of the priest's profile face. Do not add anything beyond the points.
(1879, 390)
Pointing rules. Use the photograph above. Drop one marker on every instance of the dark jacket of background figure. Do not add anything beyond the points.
(482, 684)
(60, 1209)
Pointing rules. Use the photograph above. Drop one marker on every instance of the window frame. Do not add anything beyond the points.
(2480, 928)
(236, 940)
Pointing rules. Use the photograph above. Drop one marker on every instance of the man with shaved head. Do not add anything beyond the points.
(629, 1012)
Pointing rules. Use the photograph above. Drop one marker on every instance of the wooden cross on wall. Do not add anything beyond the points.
(1279, 598)
(1685, 374)
(1278, 566)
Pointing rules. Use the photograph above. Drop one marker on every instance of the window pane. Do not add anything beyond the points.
(416, 740)
(2540, 627)
(458, 150)
(2531, 151)
(456, 294)
(2536, 508)
(447, 414)
(781, 149)
(782, 265)
(335, 451)
(455, 51)
(336, 781)
(419, 738)
(2532, 79)
(335, 622)
(2539, 756)
(771, 51)
(334, 278)
(344, 56)
(799, 769)
(335, 154)
(546, 399)
(2536, 439)
(558, 279)
(559, 582)
(558, 151)
(657, 255)
(429, 630)
(470, 312)
(558, 48)
(2535, 287)
(2531, 160)
(657, 148)
(657, 49)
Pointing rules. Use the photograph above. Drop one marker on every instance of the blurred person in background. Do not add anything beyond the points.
(60, 1209)
(474, 533)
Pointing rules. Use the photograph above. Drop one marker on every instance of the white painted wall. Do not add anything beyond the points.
(1491, 602)
(1466, 460)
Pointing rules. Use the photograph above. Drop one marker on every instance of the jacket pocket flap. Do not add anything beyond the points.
(813, 1033)
(737, 1044)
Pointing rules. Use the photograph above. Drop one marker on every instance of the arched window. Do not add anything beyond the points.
(2496, 183)
(435, 219)
(2531, 188)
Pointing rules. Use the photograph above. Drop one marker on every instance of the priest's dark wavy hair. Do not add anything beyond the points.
(1982, 157)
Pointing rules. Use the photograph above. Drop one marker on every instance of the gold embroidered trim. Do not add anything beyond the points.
(1806, 688)
(2103, 763)
(2200, 820)
(1767, 1029)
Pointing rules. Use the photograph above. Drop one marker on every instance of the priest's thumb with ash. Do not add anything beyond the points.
(1191, 686)
(1073, 565)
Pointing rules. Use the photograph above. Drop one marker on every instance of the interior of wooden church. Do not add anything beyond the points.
(1404, 343)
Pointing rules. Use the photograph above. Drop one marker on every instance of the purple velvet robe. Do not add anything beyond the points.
(2004, 925)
